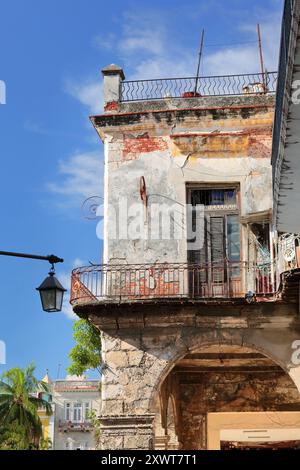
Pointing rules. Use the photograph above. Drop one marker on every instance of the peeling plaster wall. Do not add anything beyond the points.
(230, 144)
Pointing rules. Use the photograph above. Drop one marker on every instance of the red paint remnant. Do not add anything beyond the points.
(134, 146)
(190, 94)
(260, 145)
(111, 106)
(140, 289)
(79, 290)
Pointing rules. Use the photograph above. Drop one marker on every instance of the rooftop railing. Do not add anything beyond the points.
(191, 87)
(138, 283)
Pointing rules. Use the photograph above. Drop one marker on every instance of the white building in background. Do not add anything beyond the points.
(74, 398)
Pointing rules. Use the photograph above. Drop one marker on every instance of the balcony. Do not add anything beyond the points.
(193, 87)
(108, 284)
(71, 426)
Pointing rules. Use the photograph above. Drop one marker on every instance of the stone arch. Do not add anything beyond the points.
(250, 392)
(201, 343)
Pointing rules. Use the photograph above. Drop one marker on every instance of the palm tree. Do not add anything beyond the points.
(19, 403)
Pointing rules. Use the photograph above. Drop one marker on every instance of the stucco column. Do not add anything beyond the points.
(112, 79)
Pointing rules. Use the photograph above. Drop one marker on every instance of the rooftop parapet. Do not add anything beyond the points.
(120, 94)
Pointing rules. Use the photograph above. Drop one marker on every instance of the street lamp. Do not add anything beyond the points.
(51, 291)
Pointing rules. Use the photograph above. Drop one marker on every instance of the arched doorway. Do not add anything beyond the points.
(218, 379)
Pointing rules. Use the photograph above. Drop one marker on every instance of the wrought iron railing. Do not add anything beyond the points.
(161, 88)
(65, 426)
(131, 283)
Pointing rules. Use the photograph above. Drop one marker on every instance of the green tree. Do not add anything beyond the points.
(13, 437)
(45, 443)
(93, 416)
(19, 406)
(86, 354)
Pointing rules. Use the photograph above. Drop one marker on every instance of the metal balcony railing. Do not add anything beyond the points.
(136, 283)
(68, 426)
(191, 87)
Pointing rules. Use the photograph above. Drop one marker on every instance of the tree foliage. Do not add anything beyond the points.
(45, 443)
(96, 427)
(14, 437)
(86, 354)
(19, 404)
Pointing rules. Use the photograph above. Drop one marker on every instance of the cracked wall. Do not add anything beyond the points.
(173, 148)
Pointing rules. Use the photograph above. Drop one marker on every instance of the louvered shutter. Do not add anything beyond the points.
(217, 250)
(217, 239)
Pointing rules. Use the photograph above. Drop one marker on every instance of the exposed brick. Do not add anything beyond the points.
(111, 106)
(134, 146)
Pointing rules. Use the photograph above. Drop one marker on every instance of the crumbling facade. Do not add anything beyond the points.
(197, 316)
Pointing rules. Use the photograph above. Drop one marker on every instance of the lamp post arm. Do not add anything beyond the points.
(51, 258)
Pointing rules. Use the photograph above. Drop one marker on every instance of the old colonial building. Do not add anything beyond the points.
(196, 299)
(73, 400)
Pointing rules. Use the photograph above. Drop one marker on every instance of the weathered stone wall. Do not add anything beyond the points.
(140, 350)
(230, 391)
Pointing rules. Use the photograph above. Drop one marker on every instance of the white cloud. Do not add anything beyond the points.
(143, 34)
(162, 67)
(88, 93)
(232, 61)
(107, 41)
(270, 33)
(144, 41)
(245, 58)
(78, 262)
(67, 308)
(152, 51)
(65, 280)
(81, 177)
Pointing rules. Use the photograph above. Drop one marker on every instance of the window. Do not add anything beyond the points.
(218, 260)
(214, 197)
(87, 411)
(68, 411)
(233, 237)
(77, 412)
(221, 225)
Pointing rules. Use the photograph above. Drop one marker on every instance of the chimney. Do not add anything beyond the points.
(113, 76)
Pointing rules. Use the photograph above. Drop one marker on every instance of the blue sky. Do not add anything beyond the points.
(51, 159)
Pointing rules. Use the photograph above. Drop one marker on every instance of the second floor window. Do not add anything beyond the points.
(87, 415)
(68, 411)
(221, 225)
(77, 412)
